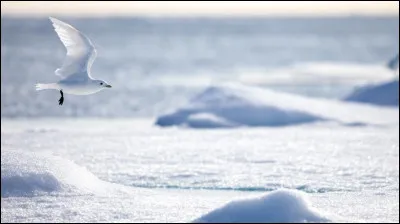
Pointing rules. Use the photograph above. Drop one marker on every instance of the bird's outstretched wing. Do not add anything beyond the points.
(80, 51)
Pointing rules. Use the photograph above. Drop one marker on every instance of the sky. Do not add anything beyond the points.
(199, 8)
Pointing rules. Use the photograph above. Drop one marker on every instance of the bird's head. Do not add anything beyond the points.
(101, 84)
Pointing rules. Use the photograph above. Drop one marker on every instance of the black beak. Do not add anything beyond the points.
(109, 86)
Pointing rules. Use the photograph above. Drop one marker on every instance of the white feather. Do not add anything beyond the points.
(80, 52)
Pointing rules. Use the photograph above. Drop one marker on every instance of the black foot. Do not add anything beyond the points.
(61, 100)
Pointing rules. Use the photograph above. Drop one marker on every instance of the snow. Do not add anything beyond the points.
(383, 94)
(206, 120)
(126, 170)
(277, 206)
(235, 105)
(25, 174)
(321, 73)
(100, 158)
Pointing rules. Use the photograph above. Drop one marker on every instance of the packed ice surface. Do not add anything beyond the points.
(276, 206)
(384, 94)
(32, 175)
(235, 105)
(123, 170)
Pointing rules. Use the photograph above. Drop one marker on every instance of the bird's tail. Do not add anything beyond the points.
(41, 86)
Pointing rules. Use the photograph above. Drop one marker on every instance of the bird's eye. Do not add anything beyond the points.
(101, 83)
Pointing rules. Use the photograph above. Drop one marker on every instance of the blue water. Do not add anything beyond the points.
(155, 63)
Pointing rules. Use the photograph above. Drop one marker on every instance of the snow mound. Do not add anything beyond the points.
(29, 174)
(383, 94)
(207, 120)
(278, 206)
(235, 105)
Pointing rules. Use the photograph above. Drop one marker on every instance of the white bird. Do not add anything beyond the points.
(75, 71)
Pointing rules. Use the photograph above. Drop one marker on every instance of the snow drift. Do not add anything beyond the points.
(383, 94)
(277, 206)
(235, 105)
(29, 174)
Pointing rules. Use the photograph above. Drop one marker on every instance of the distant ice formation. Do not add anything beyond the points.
(383, 94)
(235, 105)
(394, 63)
(277, 206)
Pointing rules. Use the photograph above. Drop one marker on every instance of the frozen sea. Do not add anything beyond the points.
(128, 170)
(103, 158)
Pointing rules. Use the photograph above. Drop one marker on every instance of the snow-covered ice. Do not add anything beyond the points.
(292, 139)
(127, 170)
(235, 105)
(26, 174)
(383, 94)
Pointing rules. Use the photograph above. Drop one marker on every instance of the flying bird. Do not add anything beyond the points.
(75, 71)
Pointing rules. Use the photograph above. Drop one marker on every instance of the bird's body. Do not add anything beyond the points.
(78, 88)
(75, 72)
(73, 87)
